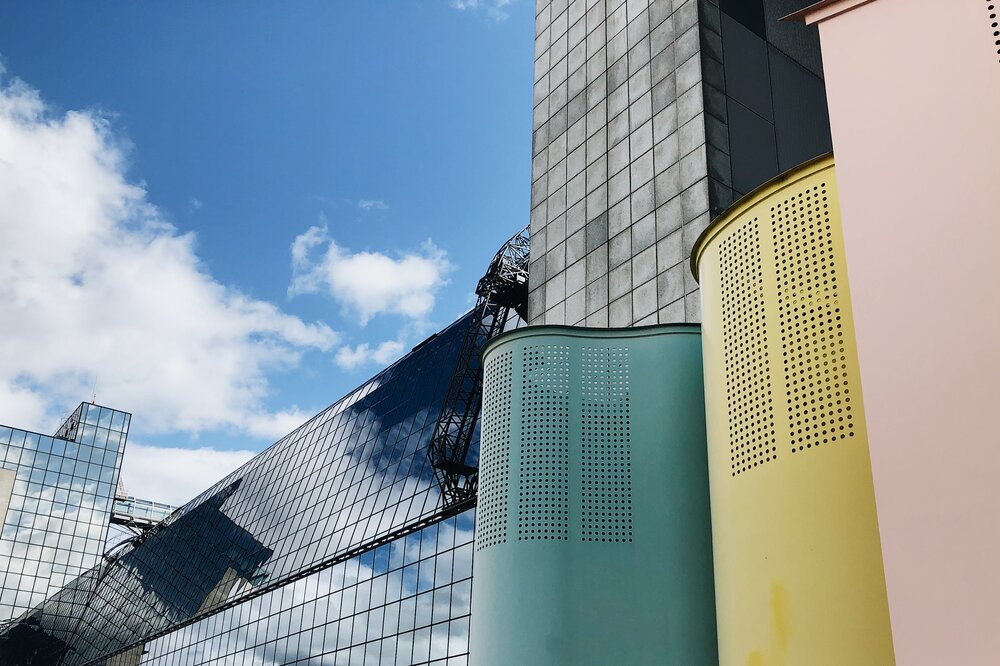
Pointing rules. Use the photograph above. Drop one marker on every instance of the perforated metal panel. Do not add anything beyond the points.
(543, 496)
(744, 325)
(608, 554)
(813, 348)
(606, 445)
(795, 537)
(494, 465)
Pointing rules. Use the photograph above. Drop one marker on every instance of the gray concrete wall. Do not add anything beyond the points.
(619, 172)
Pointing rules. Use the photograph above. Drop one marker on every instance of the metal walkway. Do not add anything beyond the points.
(140, 513)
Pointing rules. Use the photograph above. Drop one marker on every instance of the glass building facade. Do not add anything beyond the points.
(57, 493)
(333, 546)
(406, 602)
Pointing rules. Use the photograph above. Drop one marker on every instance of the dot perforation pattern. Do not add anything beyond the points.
(494, 463)
(991, 7)
(813, 346)
(752, 439)
(606, 445)
(543, 495)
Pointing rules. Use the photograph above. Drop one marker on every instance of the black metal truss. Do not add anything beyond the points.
(502, 289)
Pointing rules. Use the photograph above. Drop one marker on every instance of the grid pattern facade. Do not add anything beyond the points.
(619, 175)
(58, 503)
(650, 118)
(406, 602)
(353, 479)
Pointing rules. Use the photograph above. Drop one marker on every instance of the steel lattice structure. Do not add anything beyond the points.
(503, 288)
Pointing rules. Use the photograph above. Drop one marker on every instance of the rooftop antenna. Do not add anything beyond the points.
(93, 394)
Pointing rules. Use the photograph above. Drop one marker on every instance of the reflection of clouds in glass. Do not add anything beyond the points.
(57, 516)
(361, 463)
(356, 472)
(402, 603)
(381, 481)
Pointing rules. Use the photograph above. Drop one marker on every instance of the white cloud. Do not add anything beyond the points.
(275, 425)
(173, 475)
(368, 283)
(495, 9)
(95, 285)
(372, 204)
(351, 358)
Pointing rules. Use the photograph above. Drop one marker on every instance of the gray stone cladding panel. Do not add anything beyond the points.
(620, 165)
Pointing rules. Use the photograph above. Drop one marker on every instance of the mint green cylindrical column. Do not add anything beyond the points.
(593, 535)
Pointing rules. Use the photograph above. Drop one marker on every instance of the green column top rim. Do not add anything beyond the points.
(588, 332)
(783, 179)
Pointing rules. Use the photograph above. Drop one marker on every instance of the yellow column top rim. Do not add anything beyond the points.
(749, 200)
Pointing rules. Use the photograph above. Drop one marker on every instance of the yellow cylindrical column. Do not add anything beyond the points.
(798, 563)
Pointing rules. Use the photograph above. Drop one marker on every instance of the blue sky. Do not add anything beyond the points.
(389, 142)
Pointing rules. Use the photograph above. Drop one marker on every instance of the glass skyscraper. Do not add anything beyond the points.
(56, 493)
(333, 546)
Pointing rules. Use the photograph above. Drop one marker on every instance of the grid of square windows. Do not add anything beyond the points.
(619, 165)
(351, 478)
(58, 504)
(406, 602)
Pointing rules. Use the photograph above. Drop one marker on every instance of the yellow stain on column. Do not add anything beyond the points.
(779, 622)
(798, 562)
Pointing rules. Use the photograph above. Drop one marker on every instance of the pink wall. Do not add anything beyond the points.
(914, 93)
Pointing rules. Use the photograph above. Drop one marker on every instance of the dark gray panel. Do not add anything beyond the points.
(754, 157)
(715, 102)
(793, 38)
(749, 13)
(745, 60)
(720, 196)
(801, 117)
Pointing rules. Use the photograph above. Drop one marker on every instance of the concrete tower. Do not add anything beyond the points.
(651, 117)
